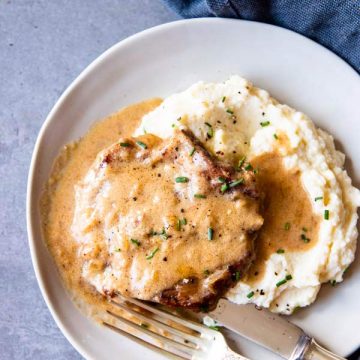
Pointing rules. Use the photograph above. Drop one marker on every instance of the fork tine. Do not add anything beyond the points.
(153, 338)
(164, 315)
(142, 342)
(180, 336)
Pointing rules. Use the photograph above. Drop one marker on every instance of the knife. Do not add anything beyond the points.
(270, 331)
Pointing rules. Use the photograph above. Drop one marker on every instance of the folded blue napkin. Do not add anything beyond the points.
(332, 23)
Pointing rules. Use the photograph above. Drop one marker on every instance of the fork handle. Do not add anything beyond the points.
(317, 352)
(232, 355)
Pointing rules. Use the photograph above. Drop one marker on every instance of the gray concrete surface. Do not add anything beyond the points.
(44, 45)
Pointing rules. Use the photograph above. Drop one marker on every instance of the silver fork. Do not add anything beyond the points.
(174, 335)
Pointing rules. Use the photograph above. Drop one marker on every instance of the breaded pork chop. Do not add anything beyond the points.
(162, 220)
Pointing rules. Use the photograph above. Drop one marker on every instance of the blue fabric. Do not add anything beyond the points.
(332, 23)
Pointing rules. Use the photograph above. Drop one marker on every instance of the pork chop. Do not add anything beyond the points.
(163, 220)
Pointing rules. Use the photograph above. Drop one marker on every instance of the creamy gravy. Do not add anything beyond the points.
(289, 222)
(285, 201)
(57, 205)
(142, 232)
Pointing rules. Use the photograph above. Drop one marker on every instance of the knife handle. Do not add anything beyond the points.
(232, 355)
(317, 352)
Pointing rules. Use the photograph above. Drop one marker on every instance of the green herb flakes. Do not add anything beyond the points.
(210, 233)
(281, 282)
(210, 130)
(224, 187)
(141, 144)
(326, 214)
(241, 162)
(236, 182)
(135, 242)
(250, 294)
(181, 179)
(151, 255)
(213, 327)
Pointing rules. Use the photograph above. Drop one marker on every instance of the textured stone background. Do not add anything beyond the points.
(44, 45)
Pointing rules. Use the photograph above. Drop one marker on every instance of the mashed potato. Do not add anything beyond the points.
(246, 121)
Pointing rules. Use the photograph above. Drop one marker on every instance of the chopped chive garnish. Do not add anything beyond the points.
(237, 275)
(210, 130)
(144, 130)
(256, 170)
(136, 242)
(206, 272)
(173, 125)
(124, 144)
(326, 214)
(210, 233)
(213, 327)
(141, 144)
(224, 187)
(280, 251)
(221, 179)
(248, 167)
(149, 257)
(281, 282)
(180, 222)
(229, 111)
(199, 196)
(318, 198)
(333, 282)
(265, 123)
(223, 99)
(241, 162)
(182, 179)
(275, 137)
(305, 239)
(191, 153)
(163, 234)
(288, 277)
(236, 182)
(179, 118)
(250, 294)
(287, 226)
(304, 229)
(117, 249)
(143, 325)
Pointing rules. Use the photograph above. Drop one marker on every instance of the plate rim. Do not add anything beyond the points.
(32, 203)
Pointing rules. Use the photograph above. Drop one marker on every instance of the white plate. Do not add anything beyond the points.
(166, 59)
